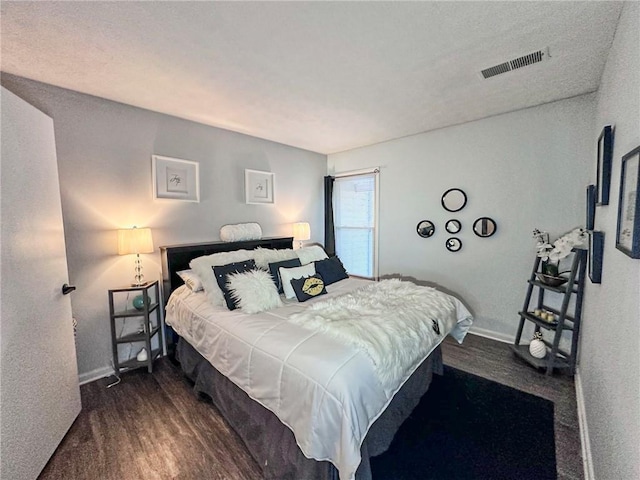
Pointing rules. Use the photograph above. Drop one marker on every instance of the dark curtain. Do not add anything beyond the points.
(329, 231)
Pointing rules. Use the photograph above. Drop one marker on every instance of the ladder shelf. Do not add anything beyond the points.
(556, 357)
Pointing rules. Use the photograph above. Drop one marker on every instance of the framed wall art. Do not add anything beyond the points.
(596, 251)
(259, 187)
(628, 231)
(175, 179)
(591, 207)
(605, 157)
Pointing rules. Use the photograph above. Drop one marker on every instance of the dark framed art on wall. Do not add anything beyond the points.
(591, 207)
(605, 157)
(596, 251)
(628, 231)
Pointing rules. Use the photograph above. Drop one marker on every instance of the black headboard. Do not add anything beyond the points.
(177, 257)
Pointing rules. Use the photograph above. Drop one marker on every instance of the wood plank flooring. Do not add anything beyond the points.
(152, 426)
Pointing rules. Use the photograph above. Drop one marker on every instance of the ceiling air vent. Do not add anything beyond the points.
(519, 62)
(497, 70)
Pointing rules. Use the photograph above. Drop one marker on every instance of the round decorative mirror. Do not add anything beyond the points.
(484, 227)
(426, 228)
(453, 226)
(454, 200)
(454, 244)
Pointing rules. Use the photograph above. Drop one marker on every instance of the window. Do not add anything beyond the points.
(355, 207)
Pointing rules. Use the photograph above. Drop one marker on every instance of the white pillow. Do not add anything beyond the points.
(253, 291)
(240, 231)
(264, 256)
(202, 267)
(191, 280)
(311, 254)
(286, 274)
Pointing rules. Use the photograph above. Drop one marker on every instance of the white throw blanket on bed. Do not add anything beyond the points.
(362, 319)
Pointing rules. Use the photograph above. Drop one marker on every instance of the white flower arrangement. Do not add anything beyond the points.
(561, 248)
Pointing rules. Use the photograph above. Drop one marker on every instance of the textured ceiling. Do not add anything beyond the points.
(323, 76)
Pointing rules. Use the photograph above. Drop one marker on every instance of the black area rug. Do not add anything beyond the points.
(467, 427)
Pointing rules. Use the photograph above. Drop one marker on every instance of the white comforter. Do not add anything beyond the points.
(328, 391)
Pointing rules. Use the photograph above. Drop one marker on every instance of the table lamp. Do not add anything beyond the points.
(301, 231)
(135, 240)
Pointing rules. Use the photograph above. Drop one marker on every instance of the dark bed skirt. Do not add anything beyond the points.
(272, 444)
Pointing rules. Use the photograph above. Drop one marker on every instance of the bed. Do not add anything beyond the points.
(307, 402)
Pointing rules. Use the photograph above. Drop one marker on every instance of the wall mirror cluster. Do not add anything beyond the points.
(426, 228)
(453, 226)
(454, 200)
(484, 227)
(454, 244)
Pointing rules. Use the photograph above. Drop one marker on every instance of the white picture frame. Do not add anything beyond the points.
(259, 187)
(175, 179)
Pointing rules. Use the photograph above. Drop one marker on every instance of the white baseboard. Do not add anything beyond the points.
(96, 374)
(500, 337)
(587, 459)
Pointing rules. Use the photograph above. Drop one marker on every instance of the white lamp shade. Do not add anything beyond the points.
(135, 240)
(301, 231)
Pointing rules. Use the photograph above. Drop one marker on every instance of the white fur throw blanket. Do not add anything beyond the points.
(395, 323)
(240, 232)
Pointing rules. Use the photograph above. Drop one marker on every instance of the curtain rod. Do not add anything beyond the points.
(356, 173)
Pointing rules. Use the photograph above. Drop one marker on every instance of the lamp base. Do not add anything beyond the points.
(143, 284)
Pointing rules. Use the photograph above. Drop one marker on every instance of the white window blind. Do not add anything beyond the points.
(354, 207)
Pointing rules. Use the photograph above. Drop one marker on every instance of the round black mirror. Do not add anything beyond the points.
(453, 226)
(426, 228)
(454, 200)
(484, 227)
(454, 244)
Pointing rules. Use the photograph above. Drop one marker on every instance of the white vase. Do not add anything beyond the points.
(142, 355)
(537, 348)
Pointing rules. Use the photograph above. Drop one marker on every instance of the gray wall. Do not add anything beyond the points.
(609, 373)
(104, 155)
(524, 169)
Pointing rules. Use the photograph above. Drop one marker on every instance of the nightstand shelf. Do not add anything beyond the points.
(147, 313)
(134, 313)
(137, 337)
(134, 363)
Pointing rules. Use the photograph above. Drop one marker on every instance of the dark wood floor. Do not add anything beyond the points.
(154, 427)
